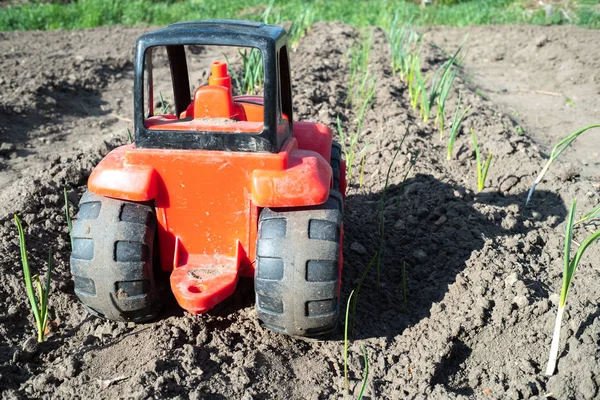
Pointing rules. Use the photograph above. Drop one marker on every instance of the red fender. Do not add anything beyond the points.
(305, 182)
(113, 177)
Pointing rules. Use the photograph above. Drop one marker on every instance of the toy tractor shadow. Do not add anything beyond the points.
(433, 227)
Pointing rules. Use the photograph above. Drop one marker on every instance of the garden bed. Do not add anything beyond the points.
(482, 274)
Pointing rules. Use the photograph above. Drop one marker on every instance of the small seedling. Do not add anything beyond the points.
(163, 104)
(556, 151)
(381, 213)
(252, 66)
(359, 287)
(411, 165)
(360, 95)
(445, 86)
(404, 293)
(361, 85)
(440, 89)
(362, 166)
(456, 127)
(416, 83)
(40, 311)
(365, 373)
(349, 144)
(482, 170)
(404, 43)
(366, 360)
(366, 94)
(129, 135)
(346, 343)
(570, 266)
(595, 213)
(68, 217)
(377, 256)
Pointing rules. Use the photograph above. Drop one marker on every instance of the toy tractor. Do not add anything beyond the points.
(220, 188)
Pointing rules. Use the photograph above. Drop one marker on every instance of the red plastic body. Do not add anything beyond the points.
(208, 202)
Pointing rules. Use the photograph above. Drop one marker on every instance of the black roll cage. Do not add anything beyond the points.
(270, 40)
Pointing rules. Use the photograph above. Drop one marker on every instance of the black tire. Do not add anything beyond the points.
(114, 249)
(336, 164)
(296, 280)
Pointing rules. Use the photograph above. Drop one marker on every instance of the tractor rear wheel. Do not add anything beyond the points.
(113, 258)
(297, 276)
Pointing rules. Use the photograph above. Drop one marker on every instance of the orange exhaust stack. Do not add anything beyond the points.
(219, 75)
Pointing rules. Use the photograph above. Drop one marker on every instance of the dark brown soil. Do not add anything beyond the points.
(483, 272)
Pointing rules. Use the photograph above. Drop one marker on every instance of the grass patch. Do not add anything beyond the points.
(92, 13)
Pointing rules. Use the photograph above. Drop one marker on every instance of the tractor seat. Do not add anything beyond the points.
(216, 100)
(214, 109)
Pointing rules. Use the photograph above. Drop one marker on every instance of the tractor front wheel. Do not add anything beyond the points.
(298, 268)
(113, 258)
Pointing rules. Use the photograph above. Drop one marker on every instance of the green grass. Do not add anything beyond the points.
(40, 311)
(570, 266)
(92, 13)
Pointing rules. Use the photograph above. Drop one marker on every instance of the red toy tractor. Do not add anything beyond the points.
(220, 188)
